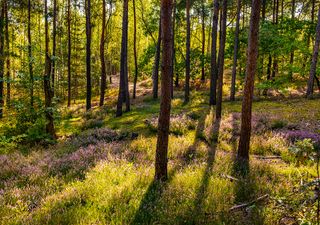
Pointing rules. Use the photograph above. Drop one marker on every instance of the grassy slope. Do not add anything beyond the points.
(119, 188)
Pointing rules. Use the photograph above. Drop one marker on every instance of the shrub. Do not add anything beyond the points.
(303, 150)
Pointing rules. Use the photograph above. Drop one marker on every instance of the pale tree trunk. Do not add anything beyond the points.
(69, 52)
(2, 57)
(30, 61)
(8, 97)
(203, 77)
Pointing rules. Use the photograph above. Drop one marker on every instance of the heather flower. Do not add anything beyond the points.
(296, 135)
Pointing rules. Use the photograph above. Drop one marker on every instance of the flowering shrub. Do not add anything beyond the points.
(296, 135)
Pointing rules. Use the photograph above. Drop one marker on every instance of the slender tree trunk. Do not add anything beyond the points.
(48, 93)
(69, 52)
(30, 60)
(88, 53)
(214, 69)
(102, 55)
(2, 56)
(173, 43)
(187, 83)
(122, 97)
(135, 49)
(161, 165)
(276, 19)
(292, 52)
(203, 42)
(313, 67)
(155, 72)
(54, 44)
(252, 54)
(8, 97)
(235, 53)
(221, 58)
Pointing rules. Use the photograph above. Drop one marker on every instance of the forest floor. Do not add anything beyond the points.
(101, 170)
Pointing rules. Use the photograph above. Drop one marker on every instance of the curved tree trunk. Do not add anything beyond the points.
(313, 67)
(161, 165)
(187, 83)
(252, 54)
(221, 58)
(214, 69)
(235, 53)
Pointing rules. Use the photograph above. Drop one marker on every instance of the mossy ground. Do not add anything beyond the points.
(119, 188)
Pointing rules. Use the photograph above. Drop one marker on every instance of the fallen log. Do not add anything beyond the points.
(245, 205)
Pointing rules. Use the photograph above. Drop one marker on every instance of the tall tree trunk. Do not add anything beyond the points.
(102, 55)
(275, 20)
(235, 53)
(48, 93)
(292, 51)
(135, 49)
(155, 72)
(88, 53)
(203, 42)
(2, 57)
(252, 54)
(221, 58)
(313, 67)
(122, 97)
(173, 43)
(54, 44)
(161, 168)
(214, 69)
(8, 97)
(187, 82)
(69, 52)
(30, 60)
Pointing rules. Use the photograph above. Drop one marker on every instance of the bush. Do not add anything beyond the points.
(303, 150)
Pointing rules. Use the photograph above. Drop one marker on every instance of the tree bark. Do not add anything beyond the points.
(161, 168)
(102, 55)
(203, 78)
(8, 97)
(173, 44)
(155, 72)
(252, 54)
(221, 58)
(88, 54)
(54, 44)
(135, 49)
(275, 21)
(69, 52)
(123, 97)
(47, 76)
(214, 69)
(187, 82)
(313, 67)
(235, 53)
(30, 60)
(2, 57)
(292, 52)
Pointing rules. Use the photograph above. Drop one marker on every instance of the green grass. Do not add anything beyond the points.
(119, 189)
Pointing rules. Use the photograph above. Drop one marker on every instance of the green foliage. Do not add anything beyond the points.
(303, 150)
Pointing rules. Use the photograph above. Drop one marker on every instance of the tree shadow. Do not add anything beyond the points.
(149, 205)
(246, 190)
